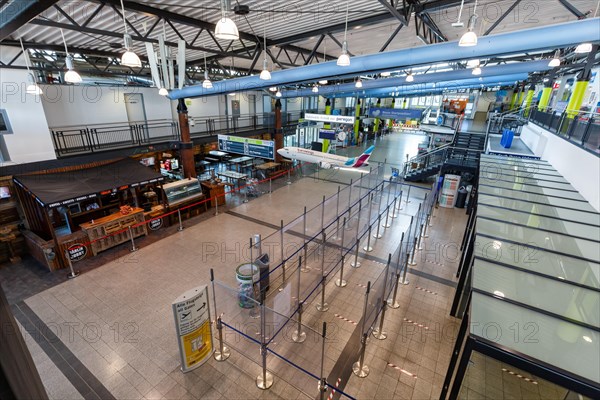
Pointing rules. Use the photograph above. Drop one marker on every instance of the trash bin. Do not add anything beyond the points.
(507, 138)
(246, 275)
(461, 197)
(263, 265)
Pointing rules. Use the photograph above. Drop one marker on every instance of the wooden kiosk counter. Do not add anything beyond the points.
(114, 229)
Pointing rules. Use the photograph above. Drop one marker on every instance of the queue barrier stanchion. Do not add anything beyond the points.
(299, 336)
(180, 228)
(378, 333)
(223, 352)
(408, 195)
(341, 282)
(265, 380)
(254, 313)
(393, 302)
(305, 267)
(337, 213)
(342, 242)
(73, 273)
(323, 306)
(368, 248)
(356, 263)
(387, 215)
(377, 234)
(420, 237)
(394, 215)
(359, 368)
(425, 225)
(404, 279)
(413, 252)
(289, 181)
(323, 380)
(282, 255)
(214, 295)
(133, 248)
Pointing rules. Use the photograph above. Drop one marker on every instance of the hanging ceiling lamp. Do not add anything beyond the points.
(206, 84)
(470, 37)
(278, 94)
(323, 82)
(71, 75)
(32, 86)
(386, 74)
(358, 83)
(473, 63)
(583, 48)
(265, 75)
(226, 29)
(163, 92)
(273, 89)
(129, 58)
(410, 77)
(344, 59)
(315, 89)
(477, 70)
(555, 62)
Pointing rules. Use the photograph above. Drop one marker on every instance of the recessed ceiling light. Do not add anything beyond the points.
(498, 293)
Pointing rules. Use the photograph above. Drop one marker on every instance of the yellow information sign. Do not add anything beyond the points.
(194, 330)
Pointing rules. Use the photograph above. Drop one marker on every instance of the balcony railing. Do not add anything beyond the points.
(83, 139)
(583, 129)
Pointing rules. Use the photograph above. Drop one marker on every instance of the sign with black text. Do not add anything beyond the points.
(247, 146)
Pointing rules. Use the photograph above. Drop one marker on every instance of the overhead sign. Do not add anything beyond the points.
(336, 119)
(328, 134)
(247, 146)
(192, 322)
(395, 113)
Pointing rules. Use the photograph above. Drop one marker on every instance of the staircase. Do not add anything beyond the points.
(462, 155)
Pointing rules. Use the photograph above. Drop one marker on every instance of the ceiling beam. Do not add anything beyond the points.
(497, 22)
(394, 11)
(572, 9)
(18, 13)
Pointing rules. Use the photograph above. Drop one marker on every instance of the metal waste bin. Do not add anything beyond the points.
(461, 197)
(263, 265)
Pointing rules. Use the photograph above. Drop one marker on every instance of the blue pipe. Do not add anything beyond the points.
(328, 91)
(385, 92)
(539, 38)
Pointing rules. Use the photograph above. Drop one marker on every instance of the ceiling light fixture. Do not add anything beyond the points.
(265, 75)
(129, 58)
(71, 75)
(323, 82)
(206, 84)
(458, 23)
(315, 89)
(344, 59)
(470, 37)
(587, 339)
(385, 74)
(358, 83)
(410, 77)
(32, 87)
(163, 92)
(477, 70)
(273, 89)
(226, 29)
(555, 62)
(473, 63)
(232, 94)
(498, 293)
(583, 48)
(278, 94)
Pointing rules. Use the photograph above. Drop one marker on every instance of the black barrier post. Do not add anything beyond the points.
(222, 353)
(323, 306)
(341, 282)
(323, 380)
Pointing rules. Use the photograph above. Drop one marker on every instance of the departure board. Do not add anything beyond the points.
(247, 146)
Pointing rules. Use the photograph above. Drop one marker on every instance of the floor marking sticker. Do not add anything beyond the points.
(402, 370)
(520, 376)
(427, 291)
(415, 323)
(345, 319)
(337, 384)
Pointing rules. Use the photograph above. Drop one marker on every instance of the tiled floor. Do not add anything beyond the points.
(114, 326)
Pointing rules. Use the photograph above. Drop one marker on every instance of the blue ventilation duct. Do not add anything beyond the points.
(539, 38)
(331, 90)
(402, 90)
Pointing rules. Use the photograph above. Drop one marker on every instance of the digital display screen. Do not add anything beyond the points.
(4, 192)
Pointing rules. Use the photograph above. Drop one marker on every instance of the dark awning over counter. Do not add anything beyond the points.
(54, 190)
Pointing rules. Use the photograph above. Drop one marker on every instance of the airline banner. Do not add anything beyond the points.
(336, 119)
(395, 113)
(194, 331)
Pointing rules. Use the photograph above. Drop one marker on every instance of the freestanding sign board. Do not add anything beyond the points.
(194, 331)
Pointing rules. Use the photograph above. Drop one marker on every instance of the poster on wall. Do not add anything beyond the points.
(235, 108)
(193, 326)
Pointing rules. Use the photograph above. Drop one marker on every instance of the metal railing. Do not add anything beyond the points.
(89, 138)
(582, 129)
(454, 156)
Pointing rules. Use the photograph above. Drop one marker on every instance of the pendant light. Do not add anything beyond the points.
(555, 62)
(315, 89)
(344, 60)
(265, 75)
(129, 58)
(477, 70)
(583, 48)
(273, 89)
(163, 92)
(226, 29)
(206, 84)
(473, 63)
(385, 74)
(71, 75)
(410, 77)
(323, 82)
(358, 83)
(470, 37)
(278, 94)
(32, 86)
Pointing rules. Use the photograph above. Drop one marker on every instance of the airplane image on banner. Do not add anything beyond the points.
(326, 160)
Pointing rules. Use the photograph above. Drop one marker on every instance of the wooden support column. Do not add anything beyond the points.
(185, 145)
(278, 130)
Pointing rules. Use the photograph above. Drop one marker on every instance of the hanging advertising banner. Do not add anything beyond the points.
(336, 119)
(395, 113)
(194, 331)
